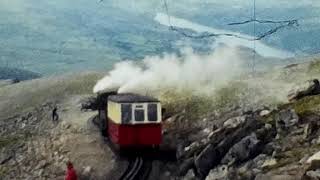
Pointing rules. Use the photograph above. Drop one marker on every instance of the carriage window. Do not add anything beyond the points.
(139, 115)
(152, 112)
(126, 113)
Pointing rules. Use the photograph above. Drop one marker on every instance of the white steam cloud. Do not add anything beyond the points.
(190, 71)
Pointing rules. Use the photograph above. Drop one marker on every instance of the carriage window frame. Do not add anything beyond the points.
(128, 118)
(139, 108)
(154, 116)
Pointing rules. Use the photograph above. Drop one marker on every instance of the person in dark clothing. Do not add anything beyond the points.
(55, 116)
(15, 80)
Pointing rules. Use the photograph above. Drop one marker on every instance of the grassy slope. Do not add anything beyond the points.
(310, 104)
(270, 89)
(20, 97)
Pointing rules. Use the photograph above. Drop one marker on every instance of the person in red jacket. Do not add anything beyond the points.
(70, 173)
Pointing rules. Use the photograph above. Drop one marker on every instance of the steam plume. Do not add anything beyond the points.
(190, 71)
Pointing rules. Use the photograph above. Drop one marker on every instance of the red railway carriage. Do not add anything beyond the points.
(133, 120)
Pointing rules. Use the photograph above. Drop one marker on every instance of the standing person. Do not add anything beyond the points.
(70, 173)
(55, 116)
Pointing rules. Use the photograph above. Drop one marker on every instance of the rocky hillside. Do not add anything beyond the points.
(33, 146)
(214, 137)
(262, 144)
(266, 142)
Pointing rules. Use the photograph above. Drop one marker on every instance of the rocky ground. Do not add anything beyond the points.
(269, 142)
(276, 142)
(263, 144)
(35, 147)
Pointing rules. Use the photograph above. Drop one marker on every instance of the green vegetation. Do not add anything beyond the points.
(193, 106)
(293, 155)
(314, 67)
(230, 95)
(3, 171)
(6, 141)
(81, 85)
(307, 105)
(270, 119)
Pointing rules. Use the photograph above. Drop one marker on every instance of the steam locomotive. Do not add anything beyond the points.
(130, 120)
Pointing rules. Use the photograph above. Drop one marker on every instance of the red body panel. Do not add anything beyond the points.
(135, 135)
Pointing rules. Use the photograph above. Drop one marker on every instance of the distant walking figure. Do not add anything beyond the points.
(55, 116)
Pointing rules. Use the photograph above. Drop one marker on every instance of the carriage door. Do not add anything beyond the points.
(103, 122)
(139, 118)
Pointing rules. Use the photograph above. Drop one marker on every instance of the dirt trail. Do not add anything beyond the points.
(83, 140)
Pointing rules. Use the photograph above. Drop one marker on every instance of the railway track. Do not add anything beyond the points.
(138, 169)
